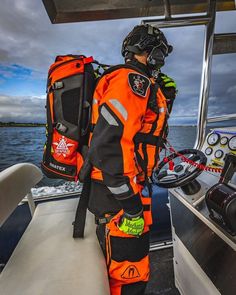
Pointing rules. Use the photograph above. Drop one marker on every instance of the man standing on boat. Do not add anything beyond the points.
(129, 116)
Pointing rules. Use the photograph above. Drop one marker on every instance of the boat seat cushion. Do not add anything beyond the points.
(47, 260)
(15, 183)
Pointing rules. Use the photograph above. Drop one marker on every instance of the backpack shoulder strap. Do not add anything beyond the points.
(81, 211)
(123, 66)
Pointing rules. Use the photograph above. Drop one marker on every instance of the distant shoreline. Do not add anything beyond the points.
(13, 124)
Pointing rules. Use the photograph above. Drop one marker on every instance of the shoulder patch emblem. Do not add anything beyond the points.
(139, 84)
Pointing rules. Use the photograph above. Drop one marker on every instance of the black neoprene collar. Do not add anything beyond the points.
(140, 66)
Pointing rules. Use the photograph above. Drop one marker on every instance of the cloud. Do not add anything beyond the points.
(4, 55)
(213, 99)
(232, 90)
(29, 40)
(22, 109)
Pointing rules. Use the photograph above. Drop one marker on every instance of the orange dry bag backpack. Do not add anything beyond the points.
(71, 82)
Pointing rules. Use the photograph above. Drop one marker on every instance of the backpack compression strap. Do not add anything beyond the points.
(80, 215)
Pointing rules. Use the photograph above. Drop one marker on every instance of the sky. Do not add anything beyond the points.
(29, 43)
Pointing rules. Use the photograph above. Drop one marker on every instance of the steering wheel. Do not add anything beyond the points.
(190, 166)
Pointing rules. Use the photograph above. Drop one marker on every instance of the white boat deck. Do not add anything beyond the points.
(47, 260)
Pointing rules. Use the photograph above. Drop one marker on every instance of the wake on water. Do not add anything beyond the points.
(64, 189)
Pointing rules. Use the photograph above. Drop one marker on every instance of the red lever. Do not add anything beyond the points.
(171, 165)
(165, 160)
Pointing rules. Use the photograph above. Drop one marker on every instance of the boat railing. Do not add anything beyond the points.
(221, 118)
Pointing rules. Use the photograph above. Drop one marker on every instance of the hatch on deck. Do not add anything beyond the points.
(60, 11)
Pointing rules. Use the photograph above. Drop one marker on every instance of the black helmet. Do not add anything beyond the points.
(150, 39)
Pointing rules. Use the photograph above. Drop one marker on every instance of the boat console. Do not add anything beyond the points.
(204, 222)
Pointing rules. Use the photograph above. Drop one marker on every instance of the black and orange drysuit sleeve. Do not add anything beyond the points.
(119, 106)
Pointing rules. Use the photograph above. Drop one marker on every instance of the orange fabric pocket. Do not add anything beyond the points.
(127, 256)
(64, 149)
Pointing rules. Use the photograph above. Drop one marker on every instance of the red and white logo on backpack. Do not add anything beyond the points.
(62, 147)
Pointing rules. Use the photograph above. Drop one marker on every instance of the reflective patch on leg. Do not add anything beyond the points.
(119, 190)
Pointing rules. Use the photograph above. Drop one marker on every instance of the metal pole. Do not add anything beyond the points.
(221, 118)
(31, 203)
(167, 9)
(206, 76)
(178, 21)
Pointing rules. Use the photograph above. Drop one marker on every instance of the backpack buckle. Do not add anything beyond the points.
(61, 127)
(103, 220)
(57, 85)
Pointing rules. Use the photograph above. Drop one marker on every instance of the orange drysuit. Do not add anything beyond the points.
(129, 115)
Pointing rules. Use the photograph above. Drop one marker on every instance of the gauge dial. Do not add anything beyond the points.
(224, 140)
(219, 154)
(208, 151)
(232, 143)
(213, 139)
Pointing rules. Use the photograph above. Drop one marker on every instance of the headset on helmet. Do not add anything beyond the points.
(150, 39)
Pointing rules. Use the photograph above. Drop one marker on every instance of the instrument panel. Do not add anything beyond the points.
(218, 143)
